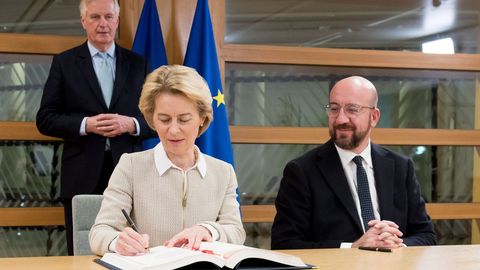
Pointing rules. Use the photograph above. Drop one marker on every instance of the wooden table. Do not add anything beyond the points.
(465, 257)
(52, 263)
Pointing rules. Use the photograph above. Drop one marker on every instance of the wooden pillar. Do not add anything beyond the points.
(476, 168)
(176, 17)
(129, 14)
(179, 29)
(217, 12)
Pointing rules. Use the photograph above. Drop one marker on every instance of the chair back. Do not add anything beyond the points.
(85, 208)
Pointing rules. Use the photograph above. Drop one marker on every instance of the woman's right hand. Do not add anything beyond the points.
(131, 243)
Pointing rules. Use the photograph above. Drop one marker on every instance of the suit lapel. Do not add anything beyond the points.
(331, 167)
(121, 74)
(84, 61)
(383, 168)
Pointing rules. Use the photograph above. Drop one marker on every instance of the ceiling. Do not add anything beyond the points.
(369, 24)
(56, 17)
(375, 24)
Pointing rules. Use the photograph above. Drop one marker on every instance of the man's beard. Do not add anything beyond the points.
(344, 141)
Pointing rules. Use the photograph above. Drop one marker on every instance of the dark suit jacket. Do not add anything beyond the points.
(315, 208)
(71, 93)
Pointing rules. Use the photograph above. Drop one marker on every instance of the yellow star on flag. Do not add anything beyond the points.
(220, 98)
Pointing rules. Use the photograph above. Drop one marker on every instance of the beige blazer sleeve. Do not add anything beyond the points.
(229, 224)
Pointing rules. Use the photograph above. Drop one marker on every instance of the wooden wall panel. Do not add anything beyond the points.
(348, 57)
(53, 216)
(37, 44)
(292, 135)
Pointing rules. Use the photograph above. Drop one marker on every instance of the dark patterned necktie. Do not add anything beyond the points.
(363, 193)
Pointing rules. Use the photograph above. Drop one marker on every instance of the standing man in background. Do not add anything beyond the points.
(350, 192)
(90, 100)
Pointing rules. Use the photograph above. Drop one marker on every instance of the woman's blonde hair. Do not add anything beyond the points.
(177, 80)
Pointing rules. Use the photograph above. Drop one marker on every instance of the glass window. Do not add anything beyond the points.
(369, 24)
(258, 234)
(29, 174)
(32, 241)
(29, 177)
(445, 173)
(22, 78)
(41, 17)
(293, 95)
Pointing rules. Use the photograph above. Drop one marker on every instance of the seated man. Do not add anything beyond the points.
(350, 192)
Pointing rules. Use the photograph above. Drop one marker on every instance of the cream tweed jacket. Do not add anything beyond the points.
(159, 204)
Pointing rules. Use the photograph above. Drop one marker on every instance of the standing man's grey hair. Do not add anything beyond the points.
(83, 7)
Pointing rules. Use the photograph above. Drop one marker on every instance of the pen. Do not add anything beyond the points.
(380, 249)
(132, 224)
(130, 221)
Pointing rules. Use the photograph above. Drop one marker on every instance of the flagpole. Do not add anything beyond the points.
(149, 43)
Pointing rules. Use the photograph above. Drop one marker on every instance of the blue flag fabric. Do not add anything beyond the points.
(149, 43)
(202, 55)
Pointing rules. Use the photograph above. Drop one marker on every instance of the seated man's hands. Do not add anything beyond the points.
(381, 233)
(110, 125)
(190, 238)
(130, 243)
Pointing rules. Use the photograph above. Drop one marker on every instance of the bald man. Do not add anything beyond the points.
(350, 192)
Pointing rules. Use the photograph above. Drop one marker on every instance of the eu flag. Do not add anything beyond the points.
(149, 43)
(202, 55)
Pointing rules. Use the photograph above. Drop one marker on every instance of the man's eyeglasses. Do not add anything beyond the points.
(351, 110)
